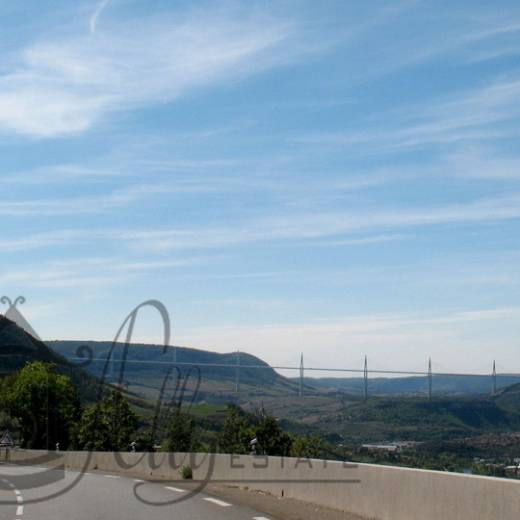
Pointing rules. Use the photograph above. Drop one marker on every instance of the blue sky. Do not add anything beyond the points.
(335, 178)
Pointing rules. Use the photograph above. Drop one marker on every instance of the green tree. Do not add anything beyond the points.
(110, 425)
(7, 421)
(93, 431)
(240, 428)
(307, 446)
(272, 440)
(46, 406)
(237, 432)
(181, 433)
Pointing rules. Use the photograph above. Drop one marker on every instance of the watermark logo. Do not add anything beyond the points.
(177, 392)
(14, 314)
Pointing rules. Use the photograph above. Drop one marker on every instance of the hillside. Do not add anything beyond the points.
(147, 366)
(422, 420)
(350, 420)
(17, 348)
(509, 398)
(340, 416)
(443, 385)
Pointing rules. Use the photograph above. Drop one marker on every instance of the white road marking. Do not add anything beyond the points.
(260, 518)
(19, 498)
(217, 501)
(137, 480)
(178, 490)
(111, 476)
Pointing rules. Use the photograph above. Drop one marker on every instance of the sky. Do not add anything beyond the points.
(334, 178)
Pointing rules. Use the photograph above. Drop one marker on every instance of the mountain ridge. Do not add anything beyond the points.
(147, 364)
(414, 385)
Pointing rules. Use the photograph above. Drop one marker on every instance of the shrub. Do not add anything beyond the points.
(186, 473)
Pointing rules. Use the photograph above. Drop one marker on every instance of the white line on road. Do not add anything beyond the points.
(111, 476)
(178, 490)
(260, 518)
(217, 501)
(138, 480)
(19, 498)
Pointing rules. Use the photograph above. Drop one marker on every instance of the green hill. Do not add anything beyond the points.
(17, 348)
(509, 398)
(147, 366)
(338, 415)
(420, 419)
(350, 420)
(416, 385)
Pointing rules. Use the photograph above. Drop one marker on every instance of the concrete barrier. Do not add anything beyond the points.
(371, 491)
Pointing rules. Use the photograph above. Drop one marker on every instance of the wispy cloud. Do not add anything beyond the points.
(296, 226)
(300, 226)
(98, 204)
(42, 240)
(100, 272)
(66, 86)
(360, 241)
(392, 341)
(96, 14)
(470, 116)
(483, 163)
(494, 30)
(63, 173)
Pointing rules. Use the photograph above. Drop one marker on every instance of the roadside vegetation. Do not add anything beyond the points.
(43, 410)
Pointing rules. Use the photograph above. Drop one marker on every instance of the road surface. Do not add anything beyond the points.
(105, 497)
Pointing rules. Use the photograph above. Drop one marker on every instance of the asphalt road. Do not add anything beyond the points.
(31, 493)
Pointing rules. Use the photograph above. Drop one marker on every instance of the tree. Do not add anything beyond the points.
(46, 406)
(181, 436)
(236, 432)
(272, 440)
(7, 421)
(110, 425)
(93, 431)
(240, 428)
(307, 446)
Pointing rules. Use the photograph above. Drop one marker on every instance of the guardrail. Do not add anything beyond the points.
(372, 491)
